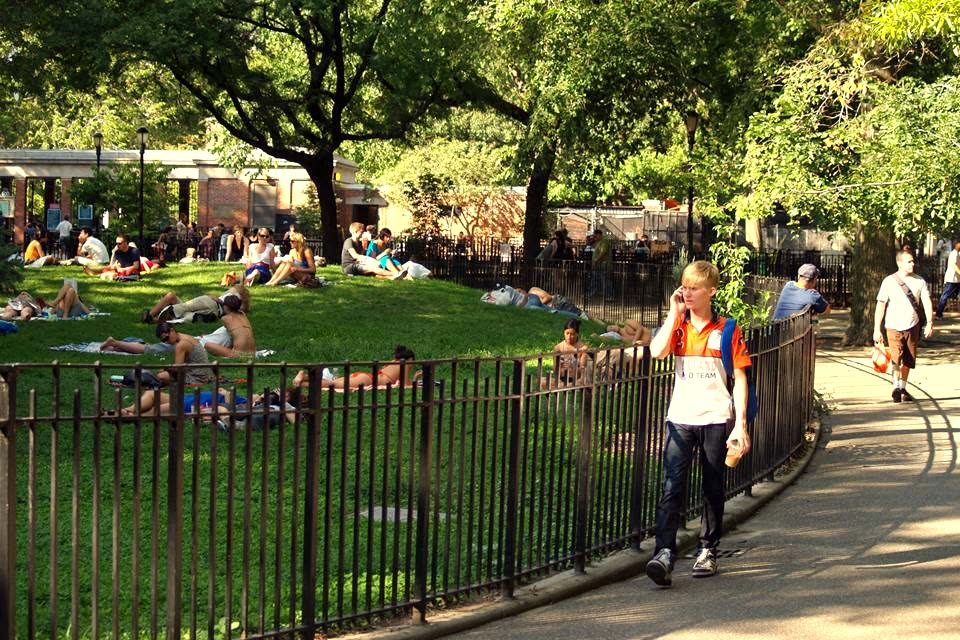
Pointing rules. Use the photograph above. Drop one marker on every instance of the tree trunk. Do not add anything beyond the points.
(321, 172)
(872, 260)
(537, 198)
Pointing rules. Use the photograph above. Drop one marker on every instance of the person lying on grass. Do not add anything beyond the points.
(260, 409)
(205, 308)
(571, 367)
(397, 372)
(68, 304)
(297, 265)
(233, 340)
(631, 333)
(23, 307)
(154, 398)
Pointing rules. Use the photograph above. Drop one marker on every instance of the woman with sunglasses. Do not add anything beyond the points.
(297, 265)
(259, 258)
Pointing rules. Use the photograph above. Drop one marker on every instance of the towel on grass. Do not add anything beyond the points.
(94, 347)
(51, 316)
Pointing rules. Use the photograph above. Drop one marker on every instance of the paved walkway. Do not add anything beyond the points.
(865, 545)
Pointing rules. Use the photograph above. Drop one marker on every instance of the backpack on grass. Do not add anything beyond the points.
(726, 354)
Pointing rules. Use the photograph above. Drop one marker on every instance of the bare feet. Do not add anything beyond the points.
(108, 345)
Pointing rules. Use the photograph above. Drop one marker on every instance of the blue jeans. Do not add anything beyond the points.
(950, 289)
(677, 456)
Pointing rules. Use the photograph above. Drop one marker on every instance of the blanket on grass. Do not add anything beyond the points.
(94, 347)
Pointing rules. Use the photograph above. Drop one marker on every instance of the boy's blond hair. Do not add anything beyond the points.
(356, 226)
(700, 273)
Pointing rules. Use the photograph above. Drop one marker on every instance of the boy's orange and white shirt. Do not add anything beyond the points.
(700, 393)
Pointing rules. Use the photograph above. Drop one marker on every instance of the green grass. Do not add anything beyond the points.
(368, 459)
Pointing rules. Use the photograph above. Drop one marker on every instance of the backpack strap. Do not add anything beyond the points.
(726, 346)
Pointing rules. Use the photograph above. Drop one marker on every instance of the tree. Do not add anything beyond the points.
(863, 137)
(116, 188)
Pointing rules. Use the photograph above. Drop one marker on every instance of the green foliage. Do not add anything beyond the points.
(732, 298)
(11, 272)
(309, 218)
(425, 197)
(116, 188)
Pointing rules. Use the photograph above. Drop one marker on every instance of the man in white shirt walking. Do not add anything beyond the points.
(905, 301)
(65, 228)
(951, 279)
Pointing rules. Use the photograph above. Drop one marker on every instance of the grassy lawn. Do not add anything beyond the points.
(243, 493)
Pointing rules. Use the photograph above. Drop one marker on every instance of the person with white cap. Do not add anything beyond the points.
(797, 296)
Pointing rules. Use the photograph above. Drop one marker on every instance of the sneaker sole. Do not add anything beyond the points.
(657, 573)
(703, 574)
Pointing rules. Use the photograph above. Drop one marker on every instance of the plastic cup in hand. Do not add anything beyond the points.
(734, 453)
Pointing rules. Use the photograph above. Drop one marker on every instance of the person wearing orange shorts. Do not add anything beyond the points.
(904, 308)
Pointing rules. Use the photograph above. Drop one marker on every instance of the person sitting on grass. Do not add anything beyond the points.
(237, 244)
(258, 259)
(187, 350)
(354, 263)
(34, 256)
(23, 307)
(572, 363)
(92, 252)
(398, 371)
(206, 308)
(381, 250)
(298, 265)
(124, 263)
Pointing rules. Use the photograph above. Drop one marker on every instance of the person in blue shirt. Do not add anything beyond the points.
(797, 296)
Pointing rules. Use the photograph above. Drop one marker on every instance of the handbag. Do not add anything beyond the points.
(880, 357)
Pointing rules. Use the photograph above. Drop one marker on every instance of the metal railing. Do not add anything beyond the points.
(274, 519)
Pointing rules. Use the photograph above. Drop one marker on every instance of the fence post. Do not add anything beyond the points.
(639, 454)
(421, 569)
(311, 507)
(583, 483)
(8, 502)
(513, 483)
(175, 439)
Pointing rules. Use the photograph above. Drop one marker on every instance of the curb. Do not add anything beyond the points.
(620, 566)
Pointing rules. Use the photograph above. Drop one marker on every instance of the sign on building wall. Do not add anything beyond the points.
(6, 207)
(85, 213)
(53, 218)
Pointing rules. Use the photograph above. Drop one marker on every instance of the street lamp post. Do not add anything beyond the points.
(142, 137)
(97, 144)
(691, 120)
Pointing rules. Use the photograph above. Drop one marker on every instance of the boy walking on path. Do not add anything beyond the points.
(701, 408)
(905, 300)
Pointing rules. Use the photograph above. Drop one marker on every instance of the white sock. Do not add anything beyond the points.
(901, 384)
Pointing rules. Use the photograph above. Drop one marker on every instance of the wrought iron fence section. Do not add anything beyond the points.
(212, 515)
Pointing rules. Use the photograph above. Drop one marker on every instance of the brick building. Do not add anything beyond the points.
(208, 193)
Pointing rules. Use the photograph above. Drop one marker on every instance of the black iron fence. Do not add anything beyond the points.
(311, 509)
(834, 283)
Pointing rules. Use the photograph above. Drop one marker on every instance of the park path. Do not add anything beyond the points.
(866, 544)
